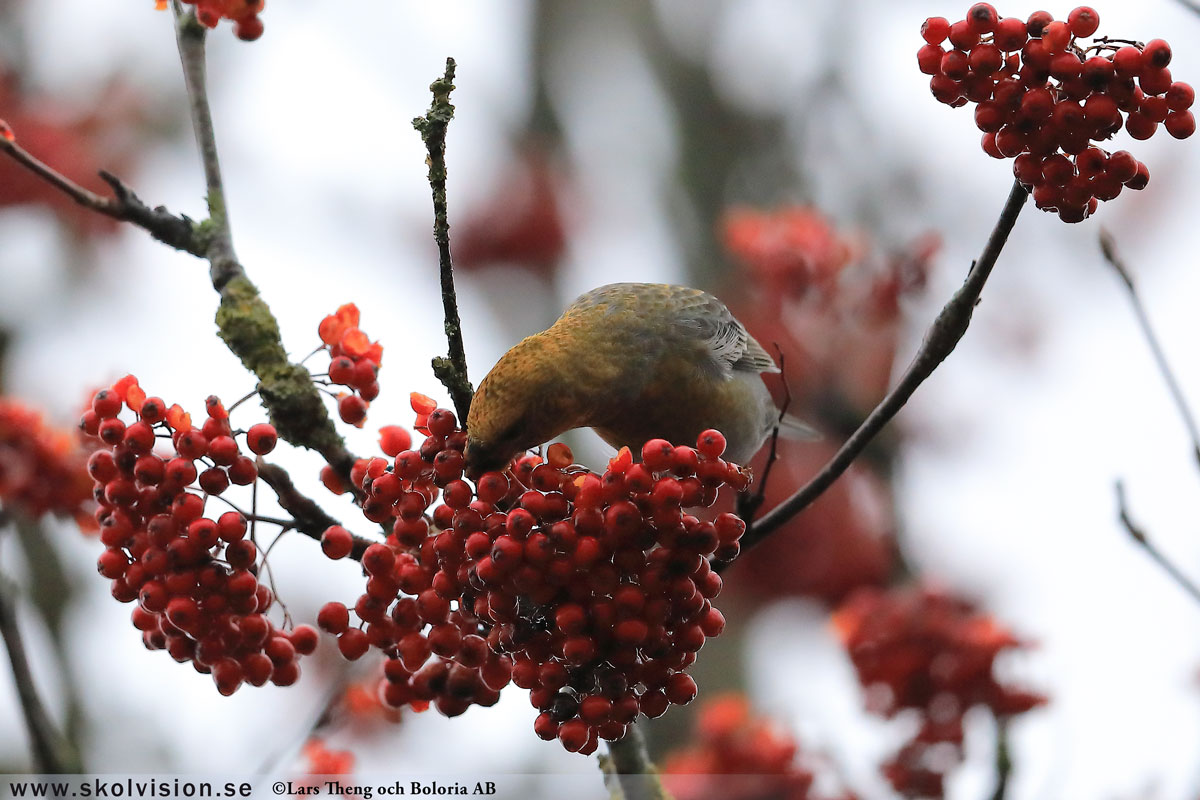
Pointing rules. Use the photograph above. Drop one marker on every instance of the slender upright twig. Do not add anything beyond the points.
(50, 751)
(943, 335)
(1109, 248)
(450, 370)
(1138, 535)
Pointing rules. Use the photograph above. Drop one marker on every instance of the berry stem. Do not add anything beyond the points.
(308, 517)
(50, 749)
(1109, 248)
(940, 340)
(628, 771)
(451, 370)
(1139, 536)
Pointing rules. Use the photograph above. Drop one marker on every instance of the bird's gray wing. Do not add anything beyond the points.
(730, 346)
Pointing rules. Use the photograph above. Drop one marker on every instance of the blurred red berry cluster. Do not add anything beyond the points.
(922, 650)
(354, 362)
(591, 591)
(833, 308)
(738, 755)
(1044, 96)
(194, 578)
(76, 141)
(520, 225)
(42, 469)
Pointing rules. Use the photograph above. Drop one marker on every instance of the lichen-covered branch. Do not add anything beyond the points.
(451, 370)
(943, 335)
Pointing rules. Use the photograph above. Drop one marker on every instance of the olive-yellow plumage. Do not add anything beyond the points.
(634, 361)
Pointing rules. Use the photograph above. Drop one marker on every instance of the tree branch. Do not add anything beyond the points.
(628, 771)
(311, 519)
(179, 232)
(1139, 536)
(943, 335)
(244, 321)
(189, 37)
(50, 751)
(1108, 247)
(450, 370)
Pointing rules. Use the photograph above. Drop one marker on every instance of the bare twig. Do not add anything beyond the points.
(1139, 536)
(943, 335)
(309, 518)
(628, 771)
(1002, 759)
(450, 370)
(179, 232)
(1109, 248)
(749, 504)
(50, 749)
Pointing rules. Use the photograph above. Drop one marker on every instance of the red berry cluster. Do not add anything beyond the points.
(933, 653)
(591, 591)
(788, 250)
(41, 468)
(730, 740)
(354, 362)
(247, 25)
(194, 578)
(1043, 98)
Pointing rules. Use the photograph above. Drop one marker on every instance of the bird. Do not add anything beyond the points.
(634, 362)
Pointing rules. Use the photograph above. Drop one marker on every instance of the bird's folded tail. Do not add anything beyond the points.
(798, 430)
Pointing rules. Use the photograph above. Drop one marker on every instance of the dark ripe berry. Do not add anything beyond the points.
(336, 542)
(441, 422)
(988, 143)
(1097, 71)
(153, 410)
(1140, 126)
(353, 644)
(962, 36)
(1037, 22)
(982, 18)
(1140, 178)
(1083, 21)
(935, 30)
(243, 471)
(214, 480)
(1157, 54)
(1180, 96)
(1180, 124)
(112, 431)
(946, 90)
(341, 370)
(261, 438)
(1010, 34)
(352, 409)
(954, 65)
(985, 59)
(1155, 81)
(1065, 65)
(304, 639)
(1027, 169)
(378, 559)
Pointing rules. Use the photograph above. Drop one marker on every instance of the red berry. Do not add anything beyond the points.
(336, 542)
(982, 18)
(1157, 54)
(1180, 124)
(935, 30)
(1083, 21)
